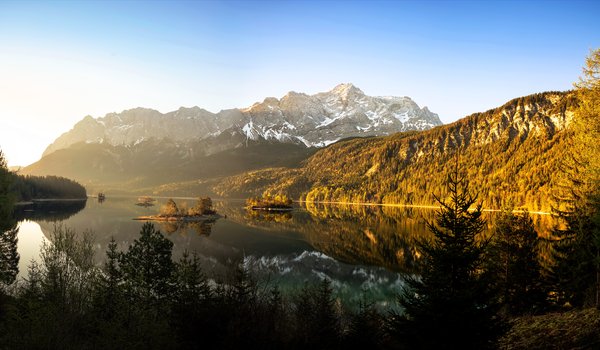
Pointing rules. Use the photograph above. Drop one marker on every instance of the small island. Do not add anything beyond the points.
(145, 201)
(201, 211)
(277, 203)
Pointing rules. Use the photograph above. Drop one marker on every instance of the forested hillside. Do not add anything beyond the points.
(25, 188)
(512, 154)
(151, 163)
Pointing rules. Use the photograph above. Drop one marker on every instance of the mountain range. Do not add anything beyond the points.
(511, 154)
(141, 148)
(308, 120)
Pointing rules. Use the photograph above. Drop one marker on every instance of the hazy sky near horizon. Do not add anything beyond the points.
(61, 61)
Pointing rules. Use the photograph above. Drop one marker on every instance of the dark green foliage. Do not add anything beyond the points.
(147, 267)
(9, 257)
(514, 263)
(52, 308)
(192, 300)
(317, 319)
(366, 329)
(576, 271)
(30, 187)
(451, 304)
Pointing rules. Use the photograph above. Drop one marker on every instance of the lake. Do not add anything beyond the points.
(361, 249)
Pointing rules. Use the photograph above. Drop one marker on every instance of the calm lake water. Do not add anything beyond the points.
(361, 249)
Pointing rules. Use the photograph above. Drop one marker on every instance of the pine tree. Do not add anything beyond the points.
(576, 271)
(317, 322)
(451, 305)
(515, 264)
(9, 257)
(147, 267)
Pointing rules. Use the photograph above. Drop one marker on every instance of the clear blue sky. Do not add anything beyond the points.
(60, 61)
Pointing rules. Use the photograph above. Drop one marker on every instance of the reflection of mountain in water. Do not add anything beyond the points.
(358, 234)
(291, 272)
(352, 234)
(49, 210)
(217, 243)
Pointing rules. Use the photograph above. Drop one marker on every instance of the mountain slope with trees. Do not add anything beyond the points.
(511, 153)
(156, 162)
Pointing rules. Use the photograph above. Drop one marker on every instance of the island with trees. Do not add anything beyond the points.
(170, 211)
(276, 203)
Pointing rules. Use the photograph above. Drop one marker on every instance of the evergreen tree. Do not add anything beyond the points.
(191, 300)
(147, 267)
(576, 271)
(365, 329)
(317, 321)
(451, 305)
(515, 265)
(9, 257)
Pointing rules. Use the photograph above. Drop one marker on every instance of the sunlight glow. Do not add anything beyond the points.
(61, 61)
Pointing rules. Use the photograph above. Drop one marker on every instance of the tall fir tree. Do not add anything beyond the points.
(515, 264)
(9, 257)
(451, 305)
(576, 271)
(147, 266)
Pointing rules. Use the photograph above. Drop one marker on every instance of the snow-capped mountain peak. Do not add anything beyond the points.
(313, 120)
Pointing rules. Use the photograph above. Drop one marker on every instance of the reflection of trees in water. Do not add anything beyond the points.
(48, 210)
(200, 228)
(9, 257)
(352, 234)
(358, 234)
(260, 215)
(373, 235)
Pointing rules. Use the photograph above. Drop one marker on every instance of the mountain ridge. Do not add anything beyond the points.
(510, 153)
(312, 120)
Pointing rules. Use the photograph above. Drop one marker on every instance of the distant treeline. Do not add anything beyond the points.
(28, 187)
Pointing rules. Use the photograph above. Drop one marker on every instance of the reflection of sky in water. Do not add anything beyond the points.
(30, 241)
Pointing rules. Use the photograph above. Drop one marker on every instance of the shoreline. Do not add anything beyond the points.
(178, 218)
(42, 200)
(516, 211)
(274, 209)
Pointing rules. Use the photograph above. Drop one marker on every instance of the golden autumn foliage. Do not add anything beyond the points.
(511, 154)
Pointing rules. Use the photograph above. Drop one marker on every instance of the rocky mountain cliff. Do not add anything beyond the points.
(510, 153)
(310, 120)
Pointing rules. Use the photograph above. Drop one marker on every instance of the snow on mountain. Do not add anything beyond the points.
(313, 120)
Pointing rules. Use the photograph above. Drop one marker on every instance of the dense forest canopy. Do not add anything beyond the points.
(28, 187)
